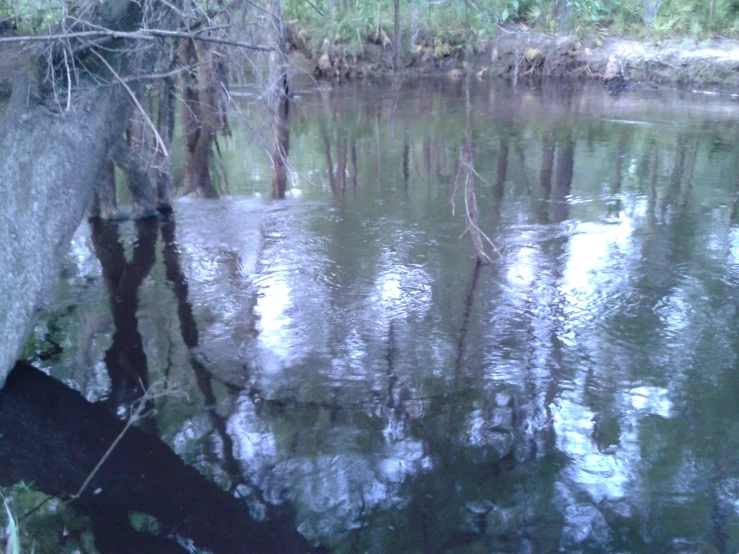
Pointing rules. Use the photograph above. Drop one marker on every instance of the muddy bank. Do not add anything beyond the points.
(521, 56)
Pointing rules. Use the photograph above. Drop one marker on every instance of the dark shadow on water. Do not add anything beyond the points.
(53, 437)
(125, 359)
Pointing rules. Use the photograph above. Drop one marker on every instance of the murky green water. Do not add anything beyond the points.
(349, 367)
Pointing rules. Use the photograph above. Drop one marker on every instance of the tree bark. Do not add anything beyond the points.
(137, 179)
(104, 204)
(52, 163)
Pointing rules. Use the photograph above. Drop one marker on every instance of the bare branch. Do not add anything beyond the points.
(144, 34)
(173, 73)
(78, 34)
(158, 138)
(194, 36)
(312, 5)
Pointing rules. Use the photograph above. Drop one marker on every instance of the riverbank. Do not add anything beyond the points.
(519, 56)
(525, 56)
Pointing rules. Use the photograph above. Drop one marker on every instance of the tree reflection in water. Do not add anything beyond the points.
(355, 377)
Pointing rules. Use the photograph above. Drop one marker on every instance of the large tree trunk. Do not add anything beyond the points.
(52, 162)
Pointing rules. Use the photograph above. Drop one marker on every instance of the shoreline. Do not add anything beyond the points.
(528, 56)
(519, 56)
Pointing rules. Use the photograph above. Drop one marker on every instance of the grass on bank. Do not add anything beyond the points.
(438, 28)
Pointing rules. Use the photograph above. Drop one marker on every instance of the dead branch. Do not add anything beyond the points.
(144, 34)
(173, 73)
(159, 389)
(158, 138)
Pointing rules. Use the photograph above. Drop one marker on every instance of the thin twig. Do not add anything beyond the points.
(160, 388)
(312, 5)
(69, 81)
(137, 103)
(105, 456)
(175, 9)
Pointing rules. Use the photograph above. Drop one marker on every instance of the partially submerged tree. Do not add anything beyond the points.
(67, 110)
(278, 95)
(70, 120)
(202, 113)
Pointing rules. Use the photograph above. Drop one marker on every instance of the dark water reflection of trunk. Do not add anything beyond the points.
(545, 179)
(125, 359)
(190, 336)
(563, 179)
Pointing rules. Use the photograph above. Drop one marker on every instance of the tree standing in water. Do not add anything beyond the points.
(278, 95)
(61, 129)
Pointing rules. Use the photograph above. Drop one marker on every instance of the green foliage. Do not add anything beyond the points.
(31, 16)
(442, 29)
(593, 11)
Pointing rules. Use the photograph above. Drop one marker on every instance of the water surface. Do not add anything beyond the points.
(350, 370)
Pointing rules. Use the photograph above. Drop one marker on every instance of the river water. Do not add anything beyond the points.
(338, 362)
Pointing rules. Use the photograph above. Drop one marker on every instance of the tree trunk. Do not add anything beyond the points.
(396, 35)
(40, 415)
(199, 116)
(279, 97)
(281, 149)
(353, 157)
(137, 178)
(126, 359)
(329, 162)
(104, 204)
(501, 171)
(162, 162)
(406, 162)
(52, 163)
(341, 165)
(545, 179)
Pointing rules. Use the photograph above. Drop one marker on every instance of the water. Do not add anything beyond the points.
(352, 375)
